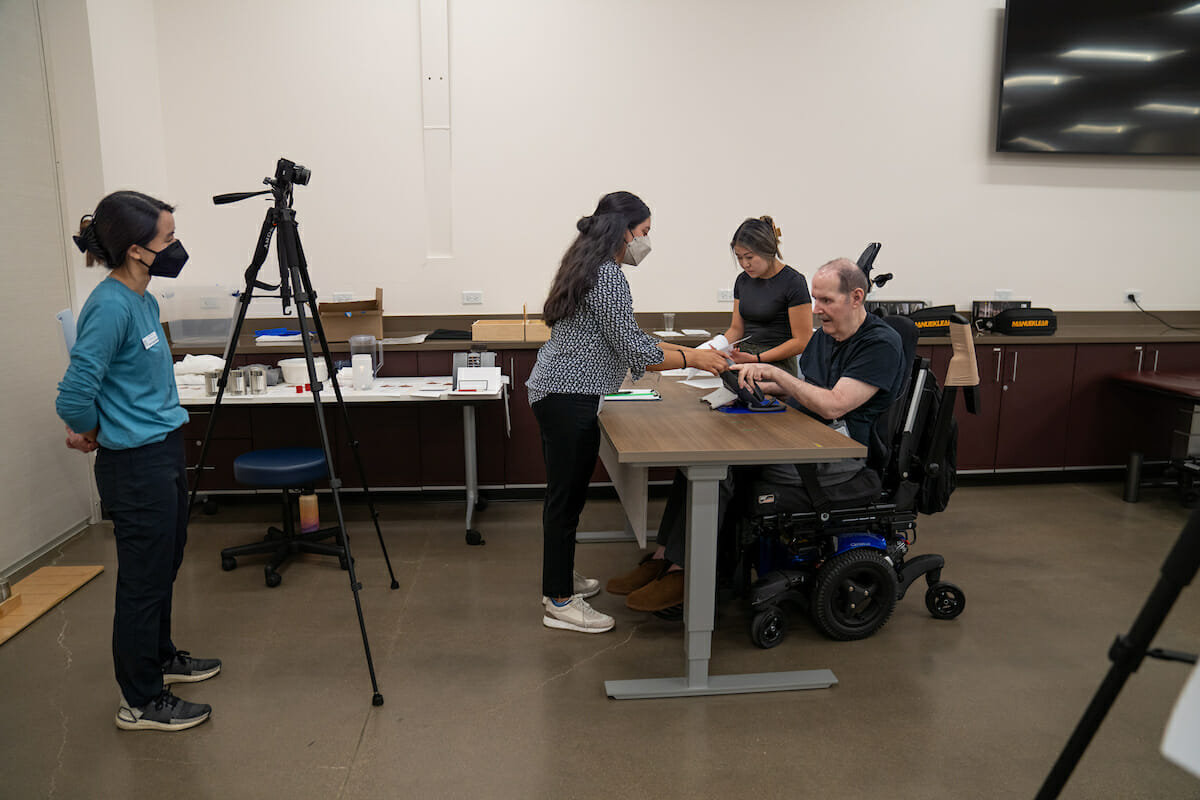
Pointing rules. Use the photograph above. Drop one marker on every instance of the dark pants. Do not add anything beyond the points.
(145, 492)
(570, 444)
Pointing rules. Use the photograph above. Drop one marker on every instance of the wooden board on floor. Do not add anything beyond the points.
(39, 593)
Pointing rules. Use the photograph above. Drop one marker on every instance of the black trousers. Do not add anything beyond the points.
(570, 445)
(145, 491)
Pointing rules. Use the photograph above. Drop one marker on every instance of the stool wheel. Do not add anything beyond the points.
(474, 537)
(273, 578)
(481, 504)
(228, 563)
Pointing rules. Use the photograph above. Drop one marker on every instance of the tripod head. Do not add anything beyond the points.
(287, 175)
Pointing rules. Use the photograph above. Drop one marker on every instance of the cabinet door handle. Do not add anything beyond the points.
(1155, 361)
(1140, 353)
(996, 352)
(1014, 377)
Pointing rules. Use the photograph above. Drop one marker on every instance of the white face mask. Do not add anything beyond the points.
(636, 250)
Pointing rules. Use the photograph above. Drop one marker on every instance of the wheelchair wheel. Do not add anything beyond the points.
(768, 628)
(945, 600)
(855, 594)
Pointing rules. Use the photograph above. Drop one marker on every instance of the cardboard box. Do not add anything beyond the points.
(343, 320)
(498, 330)
(536, 331)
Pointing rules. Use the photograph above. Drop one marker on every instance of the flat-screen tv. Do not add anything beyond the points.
(1101, 76)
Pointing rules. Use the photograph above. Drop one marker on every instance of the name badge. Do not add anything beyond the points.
(150, 339)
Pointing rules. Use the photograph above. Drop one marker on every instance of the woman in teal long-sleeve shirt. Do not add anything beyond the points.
(119, 397)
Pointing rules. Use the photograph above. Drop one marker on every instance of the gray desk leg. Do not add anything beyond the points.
(472, 467)
(700, 578)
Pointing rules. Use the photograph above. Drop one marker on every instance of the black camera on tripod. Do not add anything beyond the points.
(289, 172)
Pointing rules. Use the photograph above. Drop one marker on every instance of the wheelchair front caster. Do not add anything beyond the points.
(768, 628)
(474, 537)
(945, 600)
(228, 563)
(273, 578)
(855, 594)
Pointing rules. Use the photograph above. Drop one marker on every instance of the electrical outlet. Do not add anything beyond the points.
(1135, 293)
(472, 298)
(724, 295)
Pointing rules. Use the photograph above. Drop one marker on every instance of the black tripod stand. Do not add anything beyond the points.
(294, 279)
(1127, 652)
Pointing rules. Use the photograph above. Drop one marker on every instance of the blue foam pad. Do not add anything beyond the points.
(280, 467)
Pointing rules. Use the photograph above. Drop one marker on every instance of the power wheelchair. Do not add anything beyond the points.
(849, 562)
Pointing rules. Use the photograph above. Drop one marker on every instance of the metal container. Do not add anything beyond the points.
(257, 378)
(211, 378)
(237, 381)
(5, 590)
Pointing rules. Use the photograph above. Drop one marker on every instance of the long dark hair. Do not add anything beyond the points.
(121, 220)
(760, 236)
(601, 235)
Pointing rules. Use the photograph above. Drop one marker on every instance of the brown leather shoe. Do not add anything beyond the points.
(663, 593)
(648, 569)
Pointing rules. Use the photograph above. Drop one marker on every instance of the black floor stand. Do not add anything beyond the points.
(1128, 651)
(293, 272)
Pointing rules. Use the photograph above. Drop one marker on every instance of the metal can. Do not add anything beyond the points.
(237, 381)
(257, 379)
(211, 379)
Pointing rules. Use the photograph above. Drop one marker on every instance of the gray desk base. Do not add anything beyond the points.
(721, 684)
(699, 611)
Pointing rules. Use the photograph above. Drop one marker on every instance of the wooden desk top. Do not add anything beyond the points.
(679, 430)
(1186, 384)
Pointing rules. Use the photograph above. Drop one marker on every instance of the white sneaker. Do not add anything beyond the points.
(584, 587)
(576, 615)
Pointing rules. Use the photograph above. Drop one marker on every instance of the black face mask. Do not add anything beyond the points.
(169, 261)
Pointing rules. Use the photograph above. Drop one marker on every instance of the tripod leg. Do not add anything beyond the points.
(1127, 652)
(289, 260)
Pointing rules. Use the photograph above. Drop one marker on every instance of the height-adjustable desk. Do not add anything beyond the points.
(680, 431)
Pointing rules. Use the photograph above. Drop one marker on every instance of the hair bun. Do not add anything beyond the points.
(771, 224)
(89, 243)
(584, 224)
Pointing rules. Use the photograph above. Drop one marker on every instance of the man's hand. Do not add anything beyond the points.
(707, 360)
(765, 375)
(83, 442)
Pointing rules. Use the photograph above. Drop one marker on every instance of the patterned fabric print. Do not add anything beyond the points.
(589, 352)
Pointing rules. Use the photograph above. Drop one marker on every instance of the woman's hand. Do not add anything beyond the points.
(743, 358)
(83, 442)
(707, 360)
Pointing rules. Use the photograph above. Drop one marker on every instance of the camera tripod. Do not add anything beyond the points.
(1127, 652)
(294, 281)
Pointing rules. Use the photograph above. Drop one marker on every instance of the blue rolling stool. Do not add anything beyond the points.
(285, 468)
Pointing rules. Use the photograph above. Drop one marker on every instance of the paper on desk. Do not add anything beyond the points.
(695, 332)
(667, 334)
(1181, 741)
(708, 382)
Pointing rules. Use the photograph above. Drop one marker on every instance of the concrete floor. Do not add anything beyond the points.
(484, 702)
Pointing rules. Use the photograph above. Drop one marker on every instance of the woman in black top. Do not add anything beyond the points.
(771, 303)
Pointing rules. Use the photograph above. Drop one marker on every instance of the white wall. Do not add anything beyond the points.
(44, 487)
(849, 122)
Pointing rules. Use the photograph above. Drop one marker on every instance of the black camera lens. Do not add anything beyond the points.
(301, 175)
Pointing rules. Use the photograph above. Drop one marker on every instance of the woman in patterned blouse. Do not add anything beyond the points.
(594, 341)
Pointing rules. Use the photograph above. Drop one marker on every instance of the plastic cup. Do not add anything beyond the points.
(669, 321)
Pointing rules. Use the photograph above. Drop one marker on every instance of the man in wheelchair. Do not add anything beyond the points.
(854, 368)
